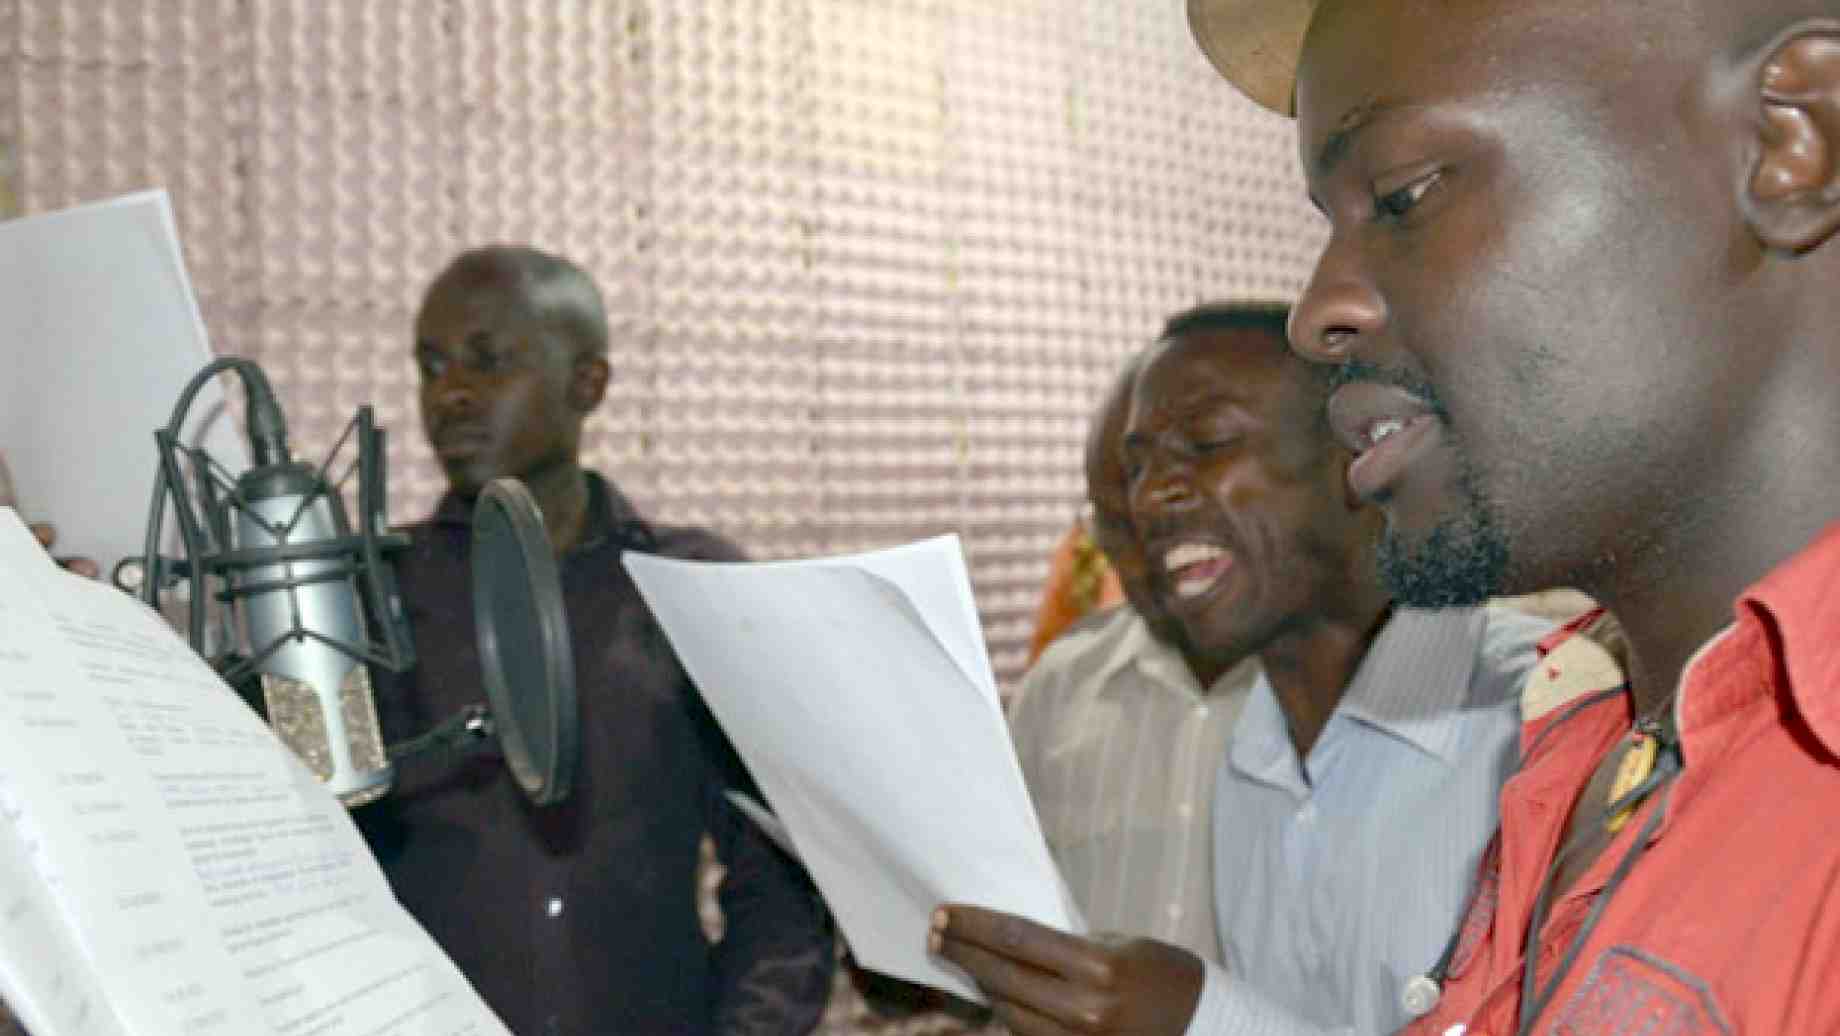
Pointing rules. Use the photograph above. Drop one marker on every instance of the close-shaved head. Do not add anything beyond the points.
(549, 289)
(511, 344)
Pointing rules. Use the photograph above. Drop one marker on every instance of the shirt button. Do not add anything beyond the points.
(1307, 813)
(554, 907)
(1175, 911)
(1185, 810)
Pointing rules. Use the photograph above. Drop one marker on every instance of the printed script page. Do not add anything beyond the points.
(45, 978)
(213, 884)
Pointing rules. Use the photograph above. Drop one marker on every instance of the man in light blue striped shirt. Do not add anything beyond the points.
(1340, 873)
(1360, 785)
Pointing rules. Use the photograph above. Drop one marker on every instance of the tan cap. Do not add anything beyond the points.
(1255, 44)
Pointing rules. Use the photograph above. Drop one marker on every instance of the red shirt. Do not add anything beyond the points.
(1730, 920)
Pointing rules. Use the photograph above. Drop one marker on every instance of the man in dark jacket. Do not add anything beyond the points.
(577, 918)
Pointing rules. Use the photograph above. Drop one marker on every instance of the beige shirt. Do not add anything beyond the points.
(1119, 746)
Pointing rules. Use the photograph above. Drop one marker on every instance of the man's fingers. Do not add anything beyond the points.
(46, 534)
(1024, 988)
(1080, 960)
(1003, 977)
(1021, 1020)
(84, 567)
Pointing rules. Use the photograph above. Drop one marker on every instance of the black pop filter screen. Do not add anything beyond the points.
(524, 651)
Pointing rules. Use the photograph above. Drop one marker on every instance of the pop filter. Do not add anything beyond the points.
(526, 661)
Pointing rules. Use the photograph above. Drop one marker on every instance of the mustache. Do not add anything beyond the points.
(1350, 372)
(1163, 531)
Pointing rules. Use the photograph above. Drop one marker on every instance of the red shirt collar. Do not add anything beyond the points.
(1796, 609)
(1786, 641)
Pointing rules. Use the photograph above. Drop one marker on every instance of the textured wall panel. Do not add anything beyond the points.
(868, 262)
(1010, 175)
(888, 432)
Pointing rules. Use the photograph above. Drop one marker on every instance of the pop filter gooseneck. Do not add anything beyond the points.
(525, 657)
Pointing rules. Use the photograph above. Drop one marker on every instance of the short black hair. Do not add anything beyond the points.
(1271, 316)
(1268, 315)
(556, 290)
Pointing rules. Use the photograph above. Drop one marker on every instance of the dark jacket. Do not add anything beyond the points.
(581, 918)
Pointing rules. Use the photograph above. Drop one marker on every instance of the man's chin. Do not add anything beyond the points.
(1228, 639)
(1462, 561)
(465, 478)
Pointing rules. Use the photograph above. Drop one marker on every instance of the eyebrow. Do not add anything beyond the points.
(1341, 139)
(1186, 408)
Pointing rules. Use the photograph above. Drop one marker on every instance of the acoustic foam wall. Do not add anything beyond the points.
(868, 261)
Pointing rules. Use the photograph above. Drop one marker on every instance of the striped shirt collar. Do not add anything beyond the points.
(1132, 645)
(1412, 685)
(1161, 664)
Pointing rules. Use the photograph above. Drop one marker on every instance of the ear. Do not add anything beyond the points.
(588, 382)
(1792, 199)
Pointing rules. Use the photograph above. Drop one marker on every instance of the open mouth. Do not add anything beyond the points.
(1195, 570)
(1386, 428)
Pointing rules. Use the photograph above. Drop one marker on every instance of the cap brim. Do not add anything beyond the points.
(1255, 44)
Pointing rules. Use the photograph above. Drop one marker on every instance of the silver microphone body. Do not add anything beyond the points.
(318, 695)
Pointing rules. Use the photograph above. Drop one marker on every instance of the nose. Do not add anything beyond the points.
(1340, 308)
(1162, 488)
(454, 392)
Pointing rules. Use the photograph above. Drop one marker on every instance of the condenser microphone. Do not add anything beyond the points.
(317, 693)
(311, 604)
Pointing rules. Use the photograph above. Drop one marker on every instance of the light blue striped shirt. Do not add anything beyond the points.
(1339, 877)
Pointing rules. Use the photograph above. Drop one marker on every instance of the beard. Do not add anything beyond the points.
(1461, 562)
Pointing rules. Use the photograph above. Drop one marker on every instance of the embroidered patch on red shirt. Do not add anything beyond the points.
(1631, 992)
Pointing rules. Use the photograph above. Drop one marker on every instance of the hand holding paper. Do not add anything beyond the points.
(859, 694)
(1043, 981)
(44, 532)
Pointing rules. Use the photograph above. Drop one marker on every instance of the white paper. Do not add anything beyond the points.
(860, 695)
(44, 979)
(213, 884)
(763, 818)
(100, 332)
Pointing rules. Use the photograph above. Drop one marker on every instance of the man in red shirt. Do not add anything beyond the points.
(1579, 290)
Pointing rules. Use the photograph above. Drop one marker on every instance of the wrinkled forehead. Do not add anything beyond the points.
(1217, 368)
(1176, 371)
